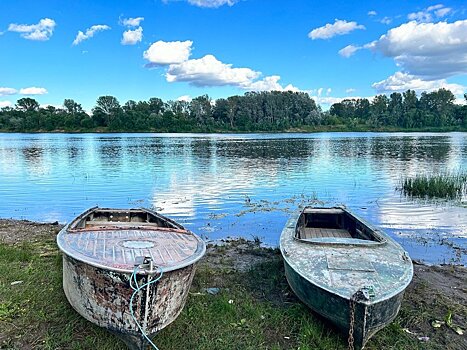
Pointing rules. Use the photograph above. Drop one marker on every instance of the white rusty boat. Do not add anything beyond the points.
(106, 252)
(345, 270)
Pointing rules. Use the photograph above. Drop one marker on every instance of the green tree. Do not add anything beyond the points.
(27, 104)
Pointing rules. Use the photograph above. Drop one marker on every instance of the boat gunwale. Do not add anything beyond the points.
(192, 259)
(289, 230)
(381, 238)
(72, 225)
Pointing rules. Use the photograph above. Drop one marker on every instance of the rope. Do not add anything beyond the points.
(137, 289)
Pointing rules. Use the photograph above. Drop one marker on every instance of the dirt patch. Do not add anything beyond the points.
(236, 254)
(17, 231)
(437, 294)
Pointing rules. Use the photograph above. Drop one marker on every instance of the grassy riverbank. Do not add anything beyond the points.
(254, 308)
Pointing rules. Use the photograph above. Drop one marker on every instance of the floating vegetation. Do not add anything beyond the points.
(448, 185)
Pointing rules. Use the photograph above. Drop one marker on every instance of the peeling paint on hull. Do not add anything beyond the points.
(102, 297)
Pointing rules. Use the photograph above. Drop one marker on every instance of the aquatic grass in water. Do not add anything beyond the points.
(450, 186)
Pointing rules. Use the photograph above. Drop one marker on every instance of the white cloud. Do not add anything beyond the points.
(386, 20)
(89, 33)
(430, 13)
(270, 83)
(132, 22)
(41, 31)
(184, 98)
(33, 91)
(4, 104)
(348, 51)
(209, 3)
(4, 91)
(132, 37)
(400, 82)
(442, 12)
(428, 50)
(330, 100)
(339, 27)
(326, 100)
(350, 90)
(209, 71)
(372, 13)
(317, 95)
(165, 53)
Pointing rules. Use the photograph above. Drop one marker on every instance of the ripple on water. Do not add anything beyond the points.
(239, 185)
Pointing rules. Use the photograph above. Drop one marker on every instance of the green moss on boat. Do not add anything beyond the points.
(339, 265)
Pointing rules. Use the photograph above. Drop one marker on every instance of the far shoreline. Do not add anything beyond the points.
(243, 132)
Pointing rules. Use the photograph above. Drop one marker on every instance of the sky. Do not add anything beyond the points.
(179, 49)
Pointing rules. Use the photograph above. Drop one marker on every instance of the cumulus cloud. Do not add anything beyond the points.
(132, 37)
(430, 13)
(165, 53)
(209, 71)
(339, 27)
(348, 51)
(4, 104)
(372, 13)
(428, 50)
(270, 83)
(33, 91)
(402, 81)
(4, 91)
(41, 31)
(89, 33)
(132, 22)
(350, 90)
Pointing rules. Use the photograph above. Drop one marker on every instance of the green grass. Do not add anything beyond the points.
(448, 185)
(254, 310)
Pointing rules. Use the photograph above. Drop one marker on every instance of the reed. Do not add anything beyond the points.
(444, 185)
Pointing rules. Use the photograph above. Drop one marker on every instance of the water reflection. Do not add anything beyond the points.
(239, 185)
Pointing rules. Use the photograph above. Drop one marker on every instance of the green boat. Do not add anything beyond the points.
(345, 270)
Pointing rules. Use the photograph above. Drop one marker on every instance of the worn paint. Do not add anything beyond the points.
(96, 278)
(103, 296)
(326, 272)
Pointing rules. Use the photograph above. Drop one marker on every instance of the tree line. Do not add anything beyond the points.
(253, 111)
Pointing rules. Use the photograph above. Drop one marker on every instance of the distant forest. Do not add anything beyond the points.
(254, 111)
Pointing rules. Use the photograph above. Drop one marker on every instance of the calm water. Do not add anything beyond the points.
(239, 185)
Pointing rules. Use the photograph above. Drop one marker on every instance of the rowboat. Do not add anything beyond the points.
(128, 270)
(345, 270)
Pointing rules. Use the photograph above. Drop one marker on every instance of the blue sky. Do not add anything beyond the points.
(185, 48)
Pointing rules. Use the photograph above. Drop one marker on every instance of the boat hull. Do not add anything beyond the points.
(102, 297)
(369, 318)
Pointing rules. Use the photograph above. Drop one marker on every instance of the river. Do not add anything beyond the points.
(231, 185)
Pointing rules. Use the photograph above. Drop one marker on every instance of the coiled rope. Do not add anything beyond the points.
(136, 290)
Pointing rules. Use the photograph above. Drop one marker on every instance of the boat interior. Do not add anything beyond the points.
(325, 223)
(101, 218)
